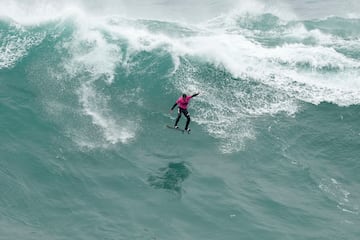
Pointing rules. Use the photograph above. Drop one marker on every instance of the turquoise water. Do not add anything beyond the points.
(85, 97)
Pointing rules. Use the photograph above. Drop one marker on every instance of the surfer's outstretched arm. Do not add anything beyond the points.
(194, 95)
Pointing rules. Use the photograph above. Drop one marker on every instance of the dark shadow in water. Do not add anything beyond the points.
(170, 177)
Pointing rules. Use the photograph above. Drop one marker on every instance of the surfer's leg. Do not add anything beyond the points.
(178, 118)
(187, 115)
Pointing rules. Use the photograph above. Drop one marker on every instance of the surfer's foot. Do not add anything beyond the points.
(176, 127)
(188, 129)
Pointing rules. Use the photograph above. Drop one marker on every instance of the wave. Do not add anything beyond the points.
(101, 72)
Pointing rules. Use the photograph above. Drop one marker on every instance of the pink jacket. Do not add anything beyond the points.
(183, 103)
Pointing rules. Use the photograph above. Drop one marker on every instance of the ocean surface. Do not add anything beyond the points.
(85, 93)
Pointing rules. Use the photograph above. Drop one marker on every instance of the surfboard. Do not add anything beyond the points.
(179, 129)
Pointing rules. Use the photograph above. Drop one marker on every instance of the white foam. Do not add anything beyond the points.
(95, 106)
(38, 11)
(100, 58)
(16, 44)
(96, 58)
(282, 66)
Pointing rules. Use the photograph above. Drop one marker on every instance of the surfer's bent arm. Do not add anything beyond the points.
(172, 108)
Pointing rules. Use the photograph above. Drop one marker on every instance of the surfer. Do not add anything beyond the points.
(182, 103)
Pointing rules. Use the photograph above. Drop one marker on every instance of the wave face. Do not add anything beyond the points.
(85, 97)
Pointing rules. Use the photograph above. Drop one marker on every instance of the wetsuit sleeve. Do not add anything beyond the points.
(172, 108)
(194, 95)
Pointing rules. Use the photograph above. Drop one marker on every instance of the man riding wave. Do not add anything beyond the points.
(182, 104)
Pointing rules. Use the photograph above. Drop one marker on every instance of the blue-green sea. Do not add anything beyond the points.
(86, 89)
